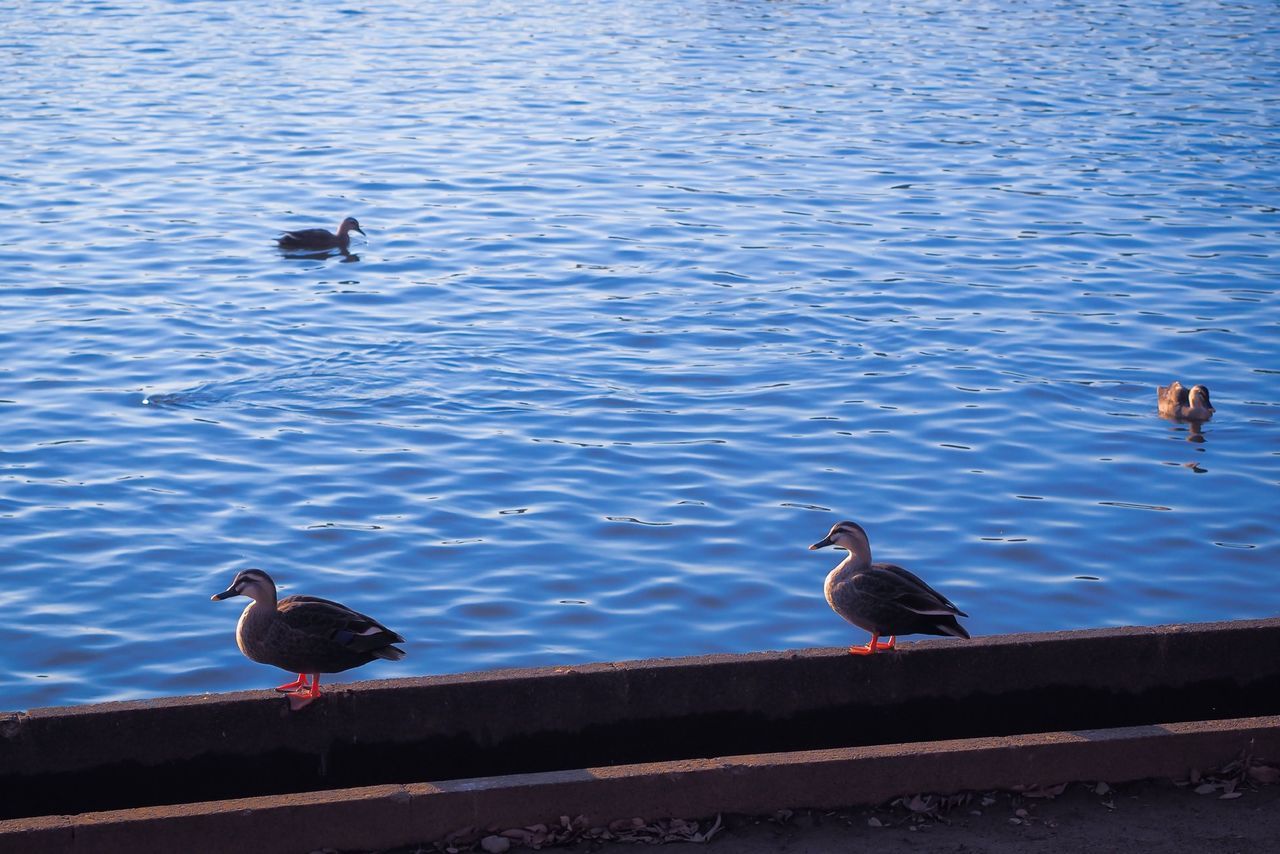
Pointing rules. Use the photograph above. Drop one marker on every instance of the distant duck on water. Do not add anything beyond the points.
(316, 239)
(882, 598)
(305, 635)
(1184, 404)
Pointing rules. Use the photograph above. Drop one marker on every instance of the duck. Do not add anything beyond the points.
(305, 635)
(882, 598)
(321, 238)
(1183, 404)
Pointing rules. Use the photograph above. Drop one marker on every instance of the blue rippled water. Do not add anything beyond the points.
(653, 293)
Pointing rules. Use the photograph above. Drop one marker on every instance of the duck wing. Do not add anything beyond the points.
(914, 594)
(890, 600)
(1174, 394)
(336, 622)
(306, 237)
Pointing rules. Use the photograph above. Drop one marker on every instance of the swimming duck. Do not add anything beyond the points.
(321, 238)
(882, 598)
(1177, 402)
(304, 634)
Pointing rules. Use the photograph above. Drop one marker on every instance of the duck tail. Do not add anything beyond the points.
(953, 628)
(390, 653)
(373, 638)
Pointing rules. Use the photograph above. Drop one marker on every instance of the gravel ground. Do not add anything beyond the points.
(1217, 815)
(1145, 817)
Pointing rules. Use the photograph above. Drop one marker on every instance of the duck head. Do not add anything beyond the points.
(349, 225)
(845, 535)
(1199, 396)
(254, 583)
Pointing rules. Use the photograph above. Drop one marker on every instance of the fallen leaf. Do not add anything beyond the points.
(715, 828)
(1264, 773)
(874, 822)
(1045, 791)
(1101, 788)
(1229, 795)
(1206, 788)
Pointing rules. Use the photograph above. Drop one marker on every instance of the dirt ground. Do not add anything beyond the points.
(1142, 817)
(1237, 814)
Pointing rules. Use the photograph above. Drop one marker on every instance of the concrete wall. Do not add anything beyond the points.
(805, 727)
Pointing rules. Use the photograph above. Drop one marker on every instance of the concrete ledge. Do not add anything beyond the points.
(803, 728)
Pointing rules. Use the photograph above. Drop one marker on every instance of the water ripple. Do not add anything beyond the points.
(652, 294)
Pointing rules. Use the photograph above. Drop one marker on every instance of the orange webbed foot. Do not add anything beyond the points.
(872, 646)
(289, 687)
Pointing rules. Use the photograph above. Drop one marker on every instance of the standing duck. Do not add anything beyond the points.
(321, 238)
(1177, 402)
(882, 598)
(303, 634)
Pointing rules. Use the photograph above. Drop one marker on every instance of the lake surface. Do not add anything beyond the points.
(653, 293)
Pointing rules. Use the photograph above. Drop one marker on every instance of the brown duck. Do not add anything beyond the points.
(882, 598)
(1184, 404)
(305, 635)
(321, 238)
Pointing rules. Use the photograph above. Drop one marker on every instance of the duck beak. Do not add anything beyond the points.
(822, 543)
(225, 594)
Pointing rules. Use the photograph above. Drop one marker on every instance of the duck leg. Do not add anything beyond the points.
(868, 649)
(300, 682)
(303, 697)
(873, 645)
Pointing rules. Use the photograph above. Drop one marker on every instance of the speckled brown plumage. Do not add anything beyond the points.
(882, 598)
(305, 634)
(1175, 401)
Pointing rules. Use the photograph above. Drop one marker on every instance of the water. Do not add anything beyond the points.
(653, 294)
